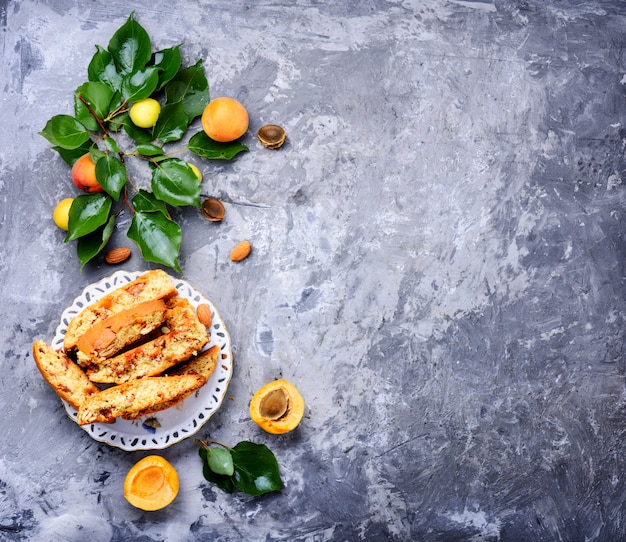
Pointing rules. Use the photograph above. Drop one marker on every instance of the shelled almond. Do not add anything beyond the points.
(117, 255)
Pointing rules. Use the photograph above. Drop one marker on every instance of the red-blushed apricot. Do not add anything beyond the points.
(225, 119)
(84, 174)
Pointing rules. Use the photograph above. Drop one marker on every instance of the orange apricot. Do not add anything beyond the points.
(151, 484)
(225, 119)
(84, 174)
(277, 407)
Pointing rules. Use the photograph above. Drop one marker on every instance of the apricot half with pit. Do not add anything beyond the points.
(151, 484)
(277, 407)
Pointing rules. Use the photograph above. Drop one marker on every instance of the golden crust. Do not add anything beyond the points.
(152, 285)
(65, 377)
(202, 365)
(137, 395)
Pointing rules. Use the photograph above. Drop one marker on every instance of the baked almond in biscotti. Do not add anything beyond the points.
(66, 378)
(109, 336)
(150, 286)
(125, 399)
(202, 365)
(185, 337)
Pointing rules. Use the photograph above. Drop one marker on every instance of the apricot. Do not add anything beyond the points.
(225, 119)
(151, 484)
(277, 407)
(84, 174)
(145, 113)
(196, 170)
(61, 213)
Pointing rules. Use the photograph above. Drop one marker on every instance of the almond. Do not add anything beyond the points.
(241, 251)
(117, 255)
(204, 315)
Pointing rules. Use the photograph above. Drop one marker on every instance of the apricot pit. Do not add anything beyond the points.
(277, 407)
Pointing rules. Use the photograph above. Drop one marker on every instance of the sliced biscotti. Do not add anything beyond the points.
(202, 365)
(135, 396)
(66, 378)
(185, 337)
(152, 285)
(111, 335)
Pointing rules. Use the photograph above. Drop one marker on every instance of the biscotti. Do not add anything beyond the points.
(113, 334)
(135, 396)
(202, 365)
(185, 337)
(65, 377)
(152, 285)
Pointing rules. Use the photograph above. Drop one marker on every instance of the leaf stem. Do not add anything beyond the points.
(205, 444)
(93, 114)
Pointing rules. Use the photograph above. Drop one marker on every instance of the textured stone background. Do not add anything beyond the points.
(438, 266)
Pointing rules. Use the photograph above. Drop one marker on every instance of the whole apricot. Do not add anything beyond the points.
(196, 170)
(277, 407)
(225, 119)
(84, 174)
(61, 213)
(145, 113)
(151, 484)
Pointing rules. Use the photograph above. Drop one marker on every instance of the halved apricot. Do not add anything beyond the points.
(277, 407)
(151, 484)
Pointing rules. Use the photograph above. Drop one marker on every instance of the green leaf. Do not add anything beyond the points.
(220, 461)
(111, 175)
(71, 155)
(168, 62)
(89, 246)
(65, 131)
(98, 96)
(174, 182)
(140, 84)
(130, 47)
(111, 145)
(149, 149)
(256, 469)
(134, 132)
(145, 201)
(202, 145)
(225, 483)
(157, 237)
(171, 124)
(102, 69)
(96, 154)
(87, 213)
(192, 88)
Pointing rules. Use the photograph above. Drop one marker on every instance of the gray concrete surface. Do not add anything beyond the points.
(438, 265)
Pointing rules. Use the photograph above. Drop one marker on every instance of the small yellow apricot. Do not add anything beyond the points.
(225, 119)
(61, 213)
(196, 170)
(145, 113)
(151, 484)
(277, 407)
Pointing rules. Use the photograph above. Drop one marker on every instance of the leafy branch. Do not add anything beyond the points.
(248, 467)
(125, 72)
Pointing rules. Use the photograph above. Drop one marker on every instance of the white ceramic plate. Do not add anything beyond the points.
(162, 429)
